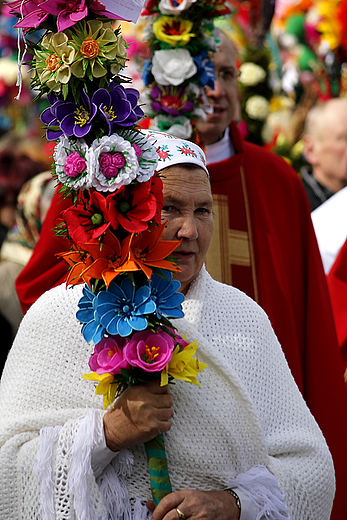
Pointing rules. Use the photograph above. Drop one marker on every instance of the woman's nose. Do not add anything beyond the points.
(188, 228)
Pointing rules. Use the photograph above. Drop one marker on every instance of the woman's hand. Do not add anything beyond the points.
(141, 413)
(196, 505)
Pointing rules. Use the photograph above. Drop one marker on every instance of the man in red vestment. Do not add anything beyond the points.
(265, 245)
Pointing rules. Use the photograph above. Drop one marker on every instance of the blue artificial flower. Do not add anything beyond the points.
(165, 296)
(147, 75)
(49, 117)
(121, 309)
(92, 328)
(205, 69)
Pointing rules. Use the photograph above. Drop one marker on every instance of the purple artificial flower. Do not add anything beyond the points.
(172, 102)
(149, 350)
(49, 117)
(117, 106)
(76, 120)
(108, 356)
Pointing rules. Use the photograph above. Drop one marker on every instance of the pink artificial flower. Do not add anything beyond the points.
(108, 356)
(75, 165)
(105, 160)
(32, 11)
(118, 160)
(149, 350)
(137, 149)
(68, 12)
(110, 171)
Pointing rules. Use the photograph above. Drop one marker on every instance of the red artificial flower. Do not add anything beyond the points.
(87, 224)
(133, 207)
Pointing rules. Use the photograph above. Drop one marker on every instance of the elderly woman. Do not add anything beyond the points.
(244, 445)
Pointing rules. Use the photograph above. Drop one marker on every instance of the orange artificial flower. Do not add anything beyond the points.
(147, 249)
(78, 261)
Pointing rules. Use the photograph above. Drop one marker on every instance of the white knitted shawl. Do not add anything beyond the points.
(248, 412)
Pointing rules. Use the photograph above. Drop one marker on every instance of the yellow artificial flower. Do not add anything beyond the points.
(330, 25)
(106, 386)
(54, 59)
(183, 366)
(95, 44)
(173, 30)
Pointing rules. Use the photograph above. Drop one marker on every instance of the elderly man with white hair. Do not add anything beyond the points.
(244, 445)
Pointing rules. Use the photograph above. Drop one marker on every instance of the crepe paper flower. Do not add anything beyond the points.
(106, 386)
(132, 208)
(49, 118)
(68, 12)
(113, 144)
(147, 76)
(108, 356)
(95, 44)
(173, 30)
(92, 329)
(173, 67)
(178, 126)
(53, 60)
(78, 260)
(174, 6)
(257, 107)
(87, 224)
(117, 106)
(183, 365)
(150, 351)
(148, 250)
(122, 309)
(71, 163)
(171, 100)
(165, 296)
(76, 120)
(109, 259)
(251, 74)
(205, 69)
(32, 13)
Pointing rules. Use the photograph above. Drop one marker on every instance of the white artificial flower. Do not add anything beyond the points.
(173, 67)
(148, 160)
(179, 126)
(169, 7)
(63, 149)
(111, 145)
(257, 107)
(251, 74)
(9, 71)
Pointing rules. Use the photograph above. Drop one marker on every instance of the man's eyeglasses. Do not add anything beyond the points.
(227, 75)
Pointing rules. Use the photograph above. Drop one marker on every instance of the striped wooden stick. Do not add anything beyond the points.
(158, 470)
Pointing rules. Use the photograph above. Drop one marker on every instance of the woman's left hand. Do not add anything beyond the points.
(196, 505)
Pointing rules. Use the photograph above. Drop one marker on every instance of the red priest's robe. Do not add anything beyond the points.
(264, 244)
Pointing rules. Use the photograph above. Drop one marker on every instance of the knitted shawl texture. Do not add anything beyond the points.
(242, 416)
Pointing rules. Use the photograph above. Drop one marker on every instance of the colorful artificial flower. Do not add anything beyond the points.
(171, 100)
(174, 6)
(117, 106)
(53, 60)
(173, 30)
(134, 207)
(107, 386)
(96, 45)
(178, 126)
(92, 329)
(147, 250)
(50, 119)
(164, 293)
(76, 119)
(182, 365)
(105, 260)
(35, 12)
(71, 163)
(122, 175)
(173, 67)
(205, 69)
(148, 350)
(108, 356)
(122, 309)
(86, 224)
